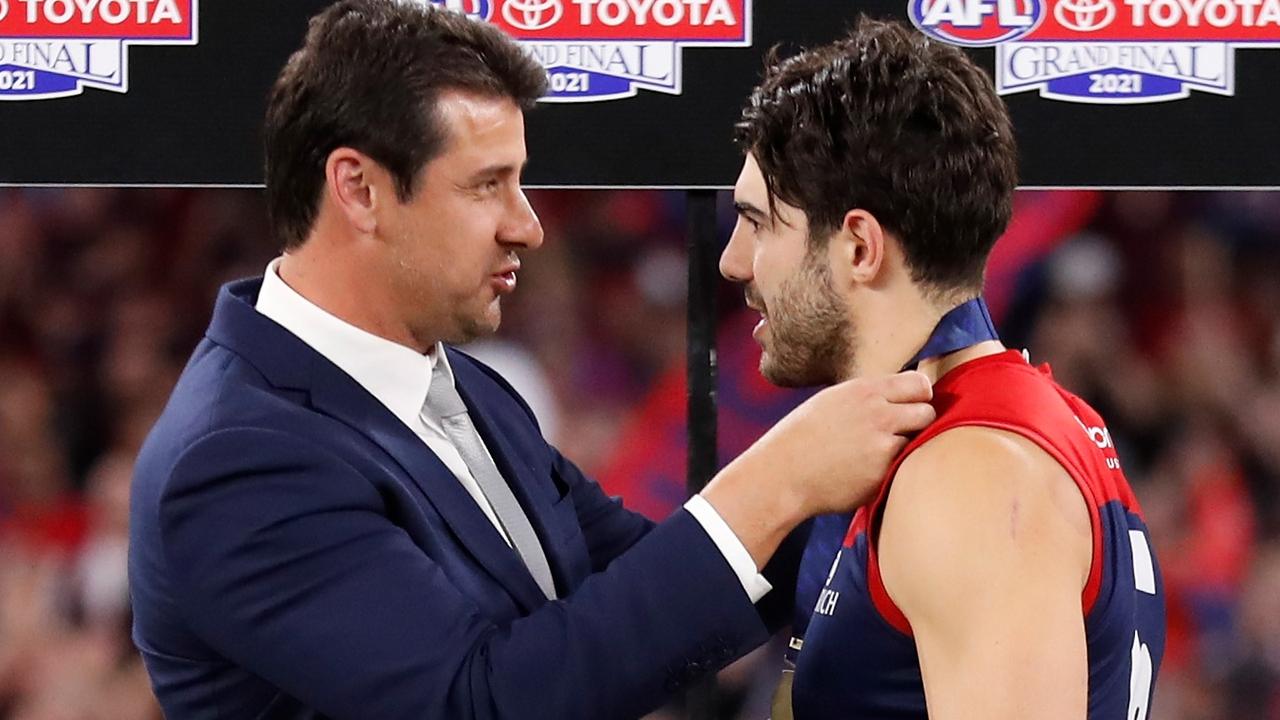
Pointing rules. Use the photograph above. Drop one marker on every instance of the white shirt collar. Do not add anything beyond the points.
(398, 376)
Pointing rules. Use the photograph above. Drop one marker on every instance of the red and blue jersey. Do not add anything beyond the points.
(859, 656)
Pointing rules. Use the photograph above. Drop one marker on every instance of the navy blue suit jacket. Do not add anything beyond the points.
(297, 552)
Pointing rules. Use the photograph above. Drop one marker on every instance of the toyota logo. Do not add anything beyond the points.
(1084, 15)
(532, 14)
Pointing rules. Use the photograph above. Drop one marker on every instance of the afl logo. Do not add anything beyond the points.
(478, 9)
(976, 23)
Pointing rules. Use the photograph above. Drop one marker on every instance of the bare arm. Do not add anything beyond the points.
(985, 546)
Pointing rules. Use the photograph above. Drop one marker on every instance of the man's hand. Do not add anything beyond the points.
(828, 455)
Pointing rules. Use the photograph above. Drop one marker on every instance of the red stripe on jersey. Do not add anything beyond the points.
(885, 605)
(1003, 392)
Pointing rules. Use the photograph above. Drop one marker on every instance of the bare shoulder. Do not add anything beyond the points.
(975, 501)
(972, 473)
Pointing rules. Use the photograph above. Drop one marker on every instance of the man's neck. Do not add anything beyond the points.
(935, 368)
(345, 295)
(891, 333)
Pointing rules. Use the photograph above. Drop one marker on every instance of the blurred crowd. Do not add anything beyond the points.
(1165, 314)
(1162, 309)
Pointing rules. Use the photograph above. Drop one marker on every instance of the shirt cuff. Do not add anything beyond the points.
(734, 552)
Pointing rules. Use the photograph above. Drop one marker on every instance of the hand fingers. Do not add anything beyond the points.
(905, 387)
(896, 445)
(909, 417)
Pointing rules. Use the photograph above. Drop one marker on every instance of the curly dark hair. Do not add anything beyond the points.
(368, 77)
(904, 127)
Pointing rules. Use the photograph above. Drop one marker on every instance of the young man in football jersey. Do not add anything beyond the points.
(1004, 569)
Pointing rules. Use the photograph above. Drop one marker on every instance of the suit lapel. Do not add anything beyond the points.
(290, 363)
(518, 473)
(338, 395)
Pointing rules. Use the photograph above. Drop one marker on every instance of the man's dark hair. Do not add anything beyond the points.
(368, 77)
(904, 127)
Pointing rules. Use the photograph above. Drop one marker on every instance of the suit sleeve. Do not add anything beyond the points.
(610, 529)
(285, 562)
(777, 609)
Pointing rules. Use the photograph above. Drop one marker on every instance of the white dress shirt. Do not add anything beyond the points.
(399, 376)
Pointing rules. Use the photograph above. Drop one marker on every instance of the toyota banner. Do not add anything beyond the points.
(644, 93)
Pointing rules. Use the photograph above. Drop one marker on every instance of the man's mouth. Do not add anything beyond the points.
(754, 303)
(760, 326)
(504, 280)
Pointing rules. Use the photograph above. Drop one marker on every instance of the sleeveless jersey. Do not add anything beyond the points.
(859, 659)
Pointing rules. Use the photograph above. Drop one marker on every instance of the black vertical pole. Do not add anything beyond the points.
(701, 358)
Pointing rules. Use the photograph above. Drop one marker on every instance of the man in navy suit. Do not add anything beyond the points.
(339, 515)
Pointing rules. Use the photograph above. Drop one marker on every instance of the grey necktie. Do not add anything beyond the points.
(444, 402)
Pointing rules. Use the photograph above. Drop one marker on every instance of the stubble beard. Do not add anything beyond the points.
(462, 322)
(810, 338)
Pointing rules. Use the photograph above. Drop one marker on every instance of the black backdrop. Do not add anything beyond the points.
(192, 116)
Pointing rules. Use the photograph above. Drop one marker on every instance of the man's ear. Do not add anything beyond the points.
(861, 246)
(353, 184)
